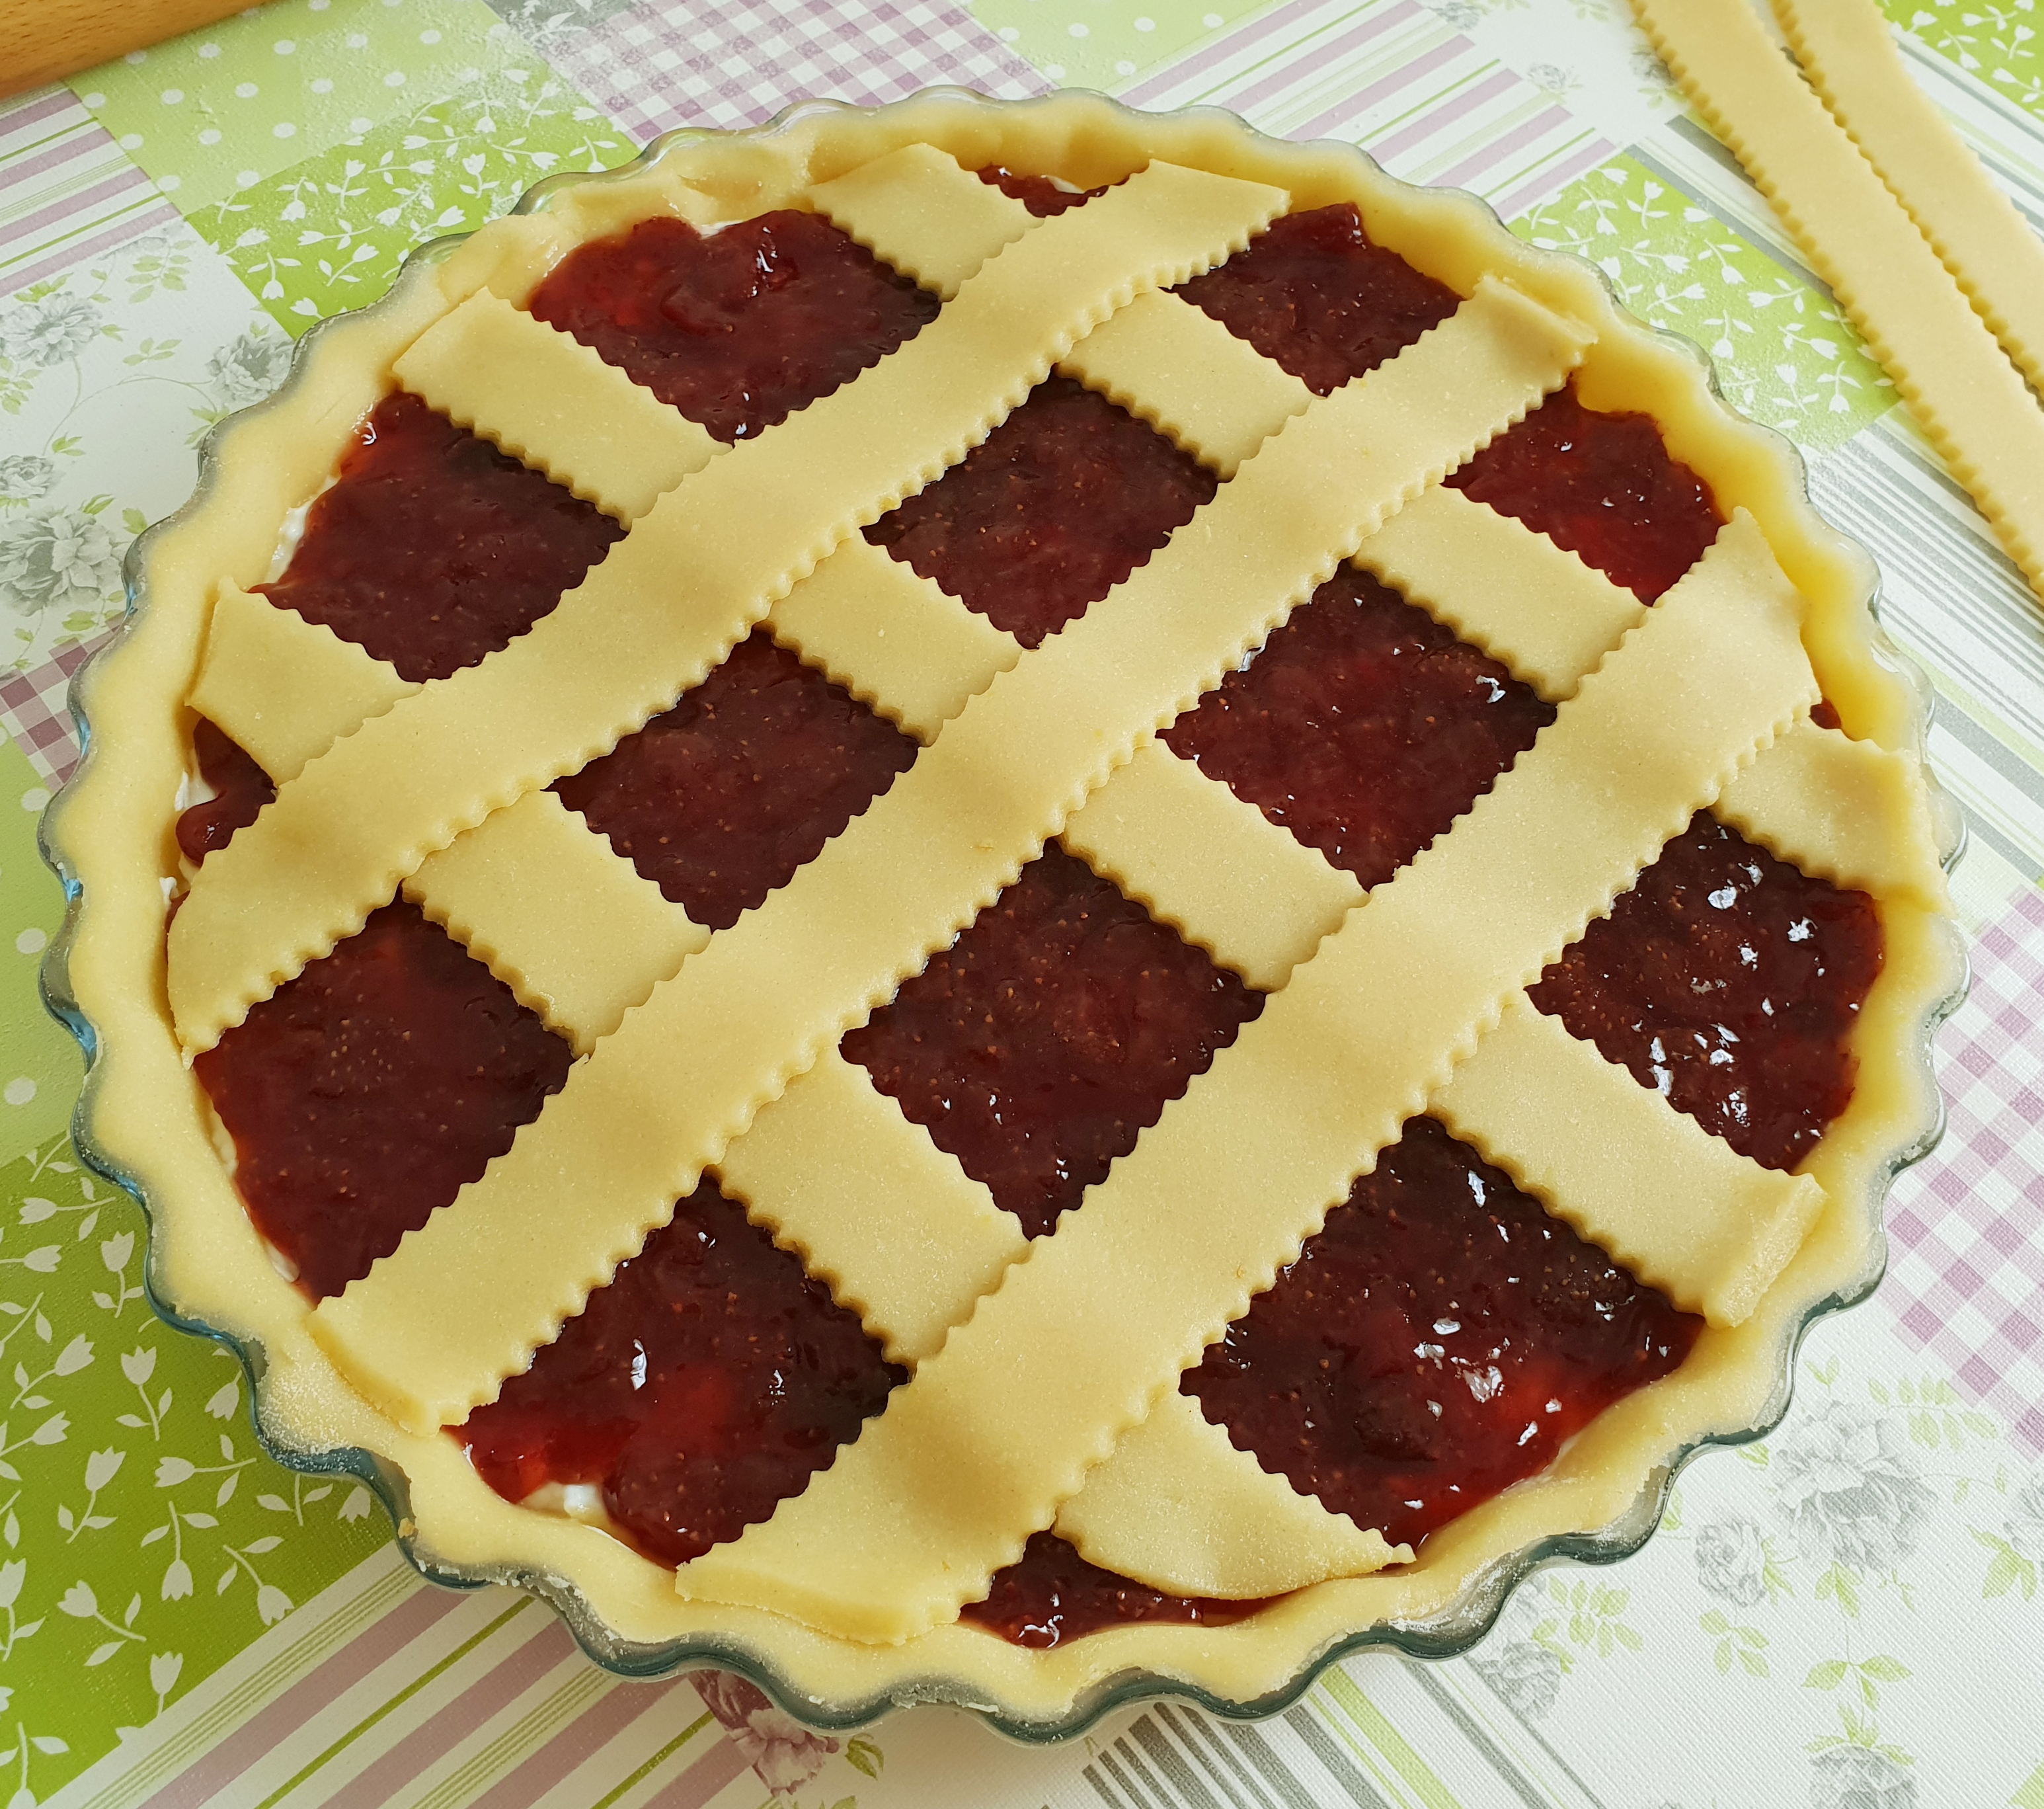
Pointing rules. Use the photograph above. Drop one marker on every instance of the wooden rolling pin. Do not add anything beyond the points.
(43, 41)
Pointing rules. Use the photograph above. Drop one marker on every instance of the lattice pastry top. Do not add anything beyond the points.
(1044, 1372)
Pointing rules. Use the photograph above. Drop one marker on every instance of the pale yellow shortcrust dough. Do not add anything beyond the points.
(1914, 315)
(1167, 1498)
(1848, 50)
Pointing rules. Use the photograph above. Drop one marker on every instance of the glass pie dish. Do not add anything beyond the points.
(1792, 719)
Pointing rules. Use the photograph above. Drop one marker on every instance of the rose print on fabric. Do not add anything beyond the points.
(51, 329)
(1550, 1626)
(1851, 1776)
(249, 368)
(1731, 1561)
(101, 368)
(25, 476)
(1527, 1676)
(62, 561)
(786, 1754)
(1849, 1484)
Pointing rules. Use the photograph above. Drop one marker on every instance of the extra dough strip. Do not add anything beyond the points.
(1913, 316)
(583, 1183)
(673, 596)
(1851, 58)
(978, 1450)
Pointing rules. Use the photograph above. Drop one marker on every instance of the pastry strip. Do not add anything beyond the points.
(917, 210)
(500, 895)
(1913, 316)
(979, 1449)
(673, 596)
(1177, 1488)
(286, 689)
(583, 1183)
(1821, 802)
(548, 400)
(1551, 623)
(1681, 1209)
(905, 1237)
(1252, 895)
(1174, 366)
(1852, 60)
(894, 640)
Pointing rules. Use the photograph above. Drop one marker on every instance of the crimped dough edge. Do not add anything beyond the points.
(143, 1118)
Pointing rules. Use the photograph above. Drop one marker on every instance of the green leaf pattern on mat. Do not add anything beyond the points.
(115, 1430)
(218, 110)
(1784, 354)
(1994, 41)
(330, 232)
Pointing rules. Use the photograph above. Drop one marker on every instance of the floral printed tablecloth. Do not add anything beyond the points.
(1847, 1613)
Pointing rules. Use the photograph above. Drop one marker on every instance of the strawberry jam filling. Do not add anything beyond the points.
(431, 548)
(1054, 1031)
(1442, 1336)
(1052, 510)
(240, 788)
(366, 1093)
(1042, 195)
(1313, 295)
(1604, 486)
(719, 800)
(705, 1383)
(1364, 726)
(1051, 1594)
(1435, 1343)
(1730, 981)
(737, 328)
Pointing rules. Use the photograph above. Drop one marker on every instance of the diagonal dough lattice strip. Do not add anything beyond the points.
(977, 1450)
(1992, 252)
(1549, 1110)
(630, 637)
(1683, 1211)
(1914, 317)
(583, 1183)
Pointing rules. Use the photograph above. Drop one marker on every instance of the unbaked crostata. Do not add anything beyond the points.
(967, 898)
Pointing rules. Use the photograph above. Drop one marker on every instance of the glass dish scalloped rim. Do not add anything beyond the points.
(1453, 1632)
